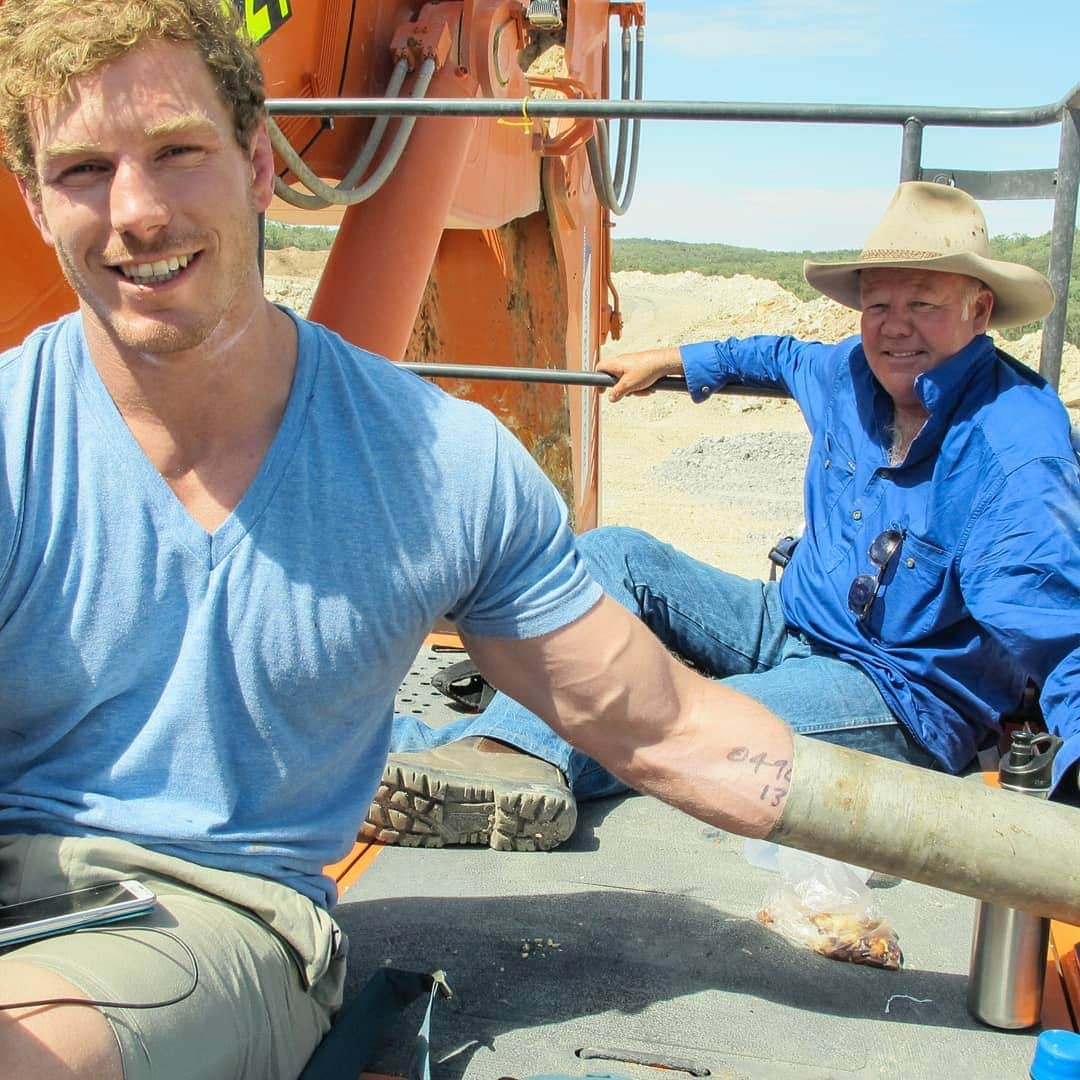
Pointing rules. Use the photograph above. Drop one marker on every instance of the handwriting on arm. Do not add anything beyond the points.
(777, 772)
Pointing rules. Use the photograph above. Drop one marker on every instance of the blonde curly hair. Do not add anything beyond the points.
(44, 44)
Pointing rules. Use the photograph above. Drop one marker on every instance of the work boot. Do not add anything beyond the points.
(472, 791)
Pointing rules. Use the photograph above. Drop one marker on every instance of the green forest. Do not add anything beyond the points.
(784, 267)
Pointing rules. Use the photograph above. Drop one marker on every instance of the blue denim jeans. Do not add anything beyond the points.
(730, 628)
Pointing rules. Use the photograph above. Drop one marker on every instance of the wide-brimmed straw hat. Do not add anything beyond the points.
(936, 227)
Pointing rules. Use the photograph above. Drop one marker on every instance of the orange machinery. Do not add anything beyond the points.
(486, 244)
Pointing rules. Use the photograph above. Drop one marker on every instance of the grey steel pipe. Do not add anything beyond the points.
(953, 833)
(911, 150)
(601, 108)
(1062, 234)
(568, 378)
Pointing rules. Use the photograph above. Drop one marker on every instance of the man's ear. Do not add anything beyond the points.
(262, 167)
(33, 205)
(984, 307)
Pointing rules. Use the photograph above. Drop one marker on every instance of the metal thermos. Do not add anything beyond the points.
(1008, 947)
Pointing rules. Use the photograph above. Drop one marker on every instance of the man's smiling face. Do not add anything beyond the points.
(149, 200)
(915, 320)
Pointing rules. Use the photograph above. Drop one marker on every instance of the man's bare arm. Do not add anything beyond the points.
(608, 686)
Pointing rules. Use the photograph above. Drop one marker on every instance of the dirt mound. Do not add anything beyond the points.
(290, 276)
(668, 309)
(293, 262)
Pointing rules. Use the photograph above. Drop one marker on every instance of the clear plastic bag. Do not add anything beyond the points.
(825, 906)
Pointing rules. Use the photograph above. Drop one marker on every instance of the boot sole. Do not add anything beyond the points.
(434, 807)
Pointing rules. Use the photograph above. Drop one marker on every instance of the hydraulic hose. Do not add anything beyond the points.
(613, 195)
(624, 126)
(345, 193)
(378, 129)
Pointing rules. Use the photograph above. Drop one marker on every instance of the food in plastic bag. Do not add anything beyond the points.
(825, 905)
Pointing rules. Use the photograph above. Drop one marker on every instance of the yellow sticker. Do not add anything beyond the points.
(263, 17)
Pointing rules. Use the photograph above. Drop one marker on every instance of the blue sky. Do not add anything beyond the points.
(791, 187)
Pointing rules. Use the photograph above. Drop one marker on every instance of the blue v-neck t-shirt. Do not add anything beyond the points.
(226, 697)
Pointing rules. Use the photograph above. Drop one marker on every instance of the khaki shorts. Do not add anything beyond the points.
(271, 964)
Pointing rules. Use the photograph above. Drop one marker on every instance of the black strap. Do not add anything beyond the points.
(780, 555)
(463, 683)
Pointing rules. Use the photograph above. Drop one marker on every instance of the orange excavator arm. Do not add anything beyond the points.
(485, 241)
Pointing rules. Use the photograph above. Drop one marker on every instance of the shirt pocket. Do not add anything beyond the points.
(831, 475)
(920, 597)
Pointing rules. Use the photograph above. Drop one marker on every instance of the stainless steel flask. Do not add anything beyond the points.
(1008, 947)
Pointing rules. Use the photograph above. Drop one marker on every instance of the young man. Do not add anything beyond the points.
(940, 565)
(224, 534)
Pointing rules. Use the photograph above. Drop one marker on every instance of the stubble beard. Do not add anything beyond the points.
(149, 336)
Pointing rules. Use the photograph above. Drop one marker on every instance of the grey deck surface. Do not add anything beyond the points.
(648, 948)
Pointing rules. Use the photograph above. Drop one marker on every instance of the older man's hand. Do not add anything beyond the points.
(636, 372)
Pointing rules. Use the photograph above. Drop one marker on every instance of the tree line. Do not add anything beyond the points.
(785, 267)
(724, 260)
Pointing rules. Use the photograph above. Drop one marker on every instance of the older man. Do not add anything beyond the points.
(940, 566)
(224, 534)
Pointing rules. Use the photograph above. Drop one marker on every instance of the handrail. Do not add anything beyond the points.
(569, 378)
(1062, 184)
(612, 108)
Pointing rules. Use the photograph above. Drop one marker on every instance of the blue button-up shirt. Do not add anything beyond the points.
(984, 591)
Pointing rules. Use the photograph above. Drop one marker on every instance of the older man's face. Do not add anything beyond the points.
(914, 320)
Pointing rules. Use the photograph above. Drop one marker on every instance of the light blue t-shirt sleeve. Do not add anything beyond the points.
(530, 579)
(177, 688)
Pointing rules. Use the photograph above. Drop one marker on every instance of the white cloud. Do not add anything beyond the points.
(779, 219)
(1023, 218)
(796, 30)
(774, 28)
(787, 218)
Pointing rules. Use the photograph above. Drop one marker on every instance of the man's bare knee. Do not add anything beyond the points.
(52, 1042)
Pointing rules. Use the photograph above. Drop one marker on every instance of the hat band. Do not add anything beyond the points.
(880, 254)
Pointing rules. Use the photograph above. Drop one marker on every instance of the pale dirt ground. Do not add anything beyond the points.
(721, 480)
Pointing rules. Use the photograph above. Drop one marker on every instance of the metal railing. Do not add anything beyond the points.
(1059, 183)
